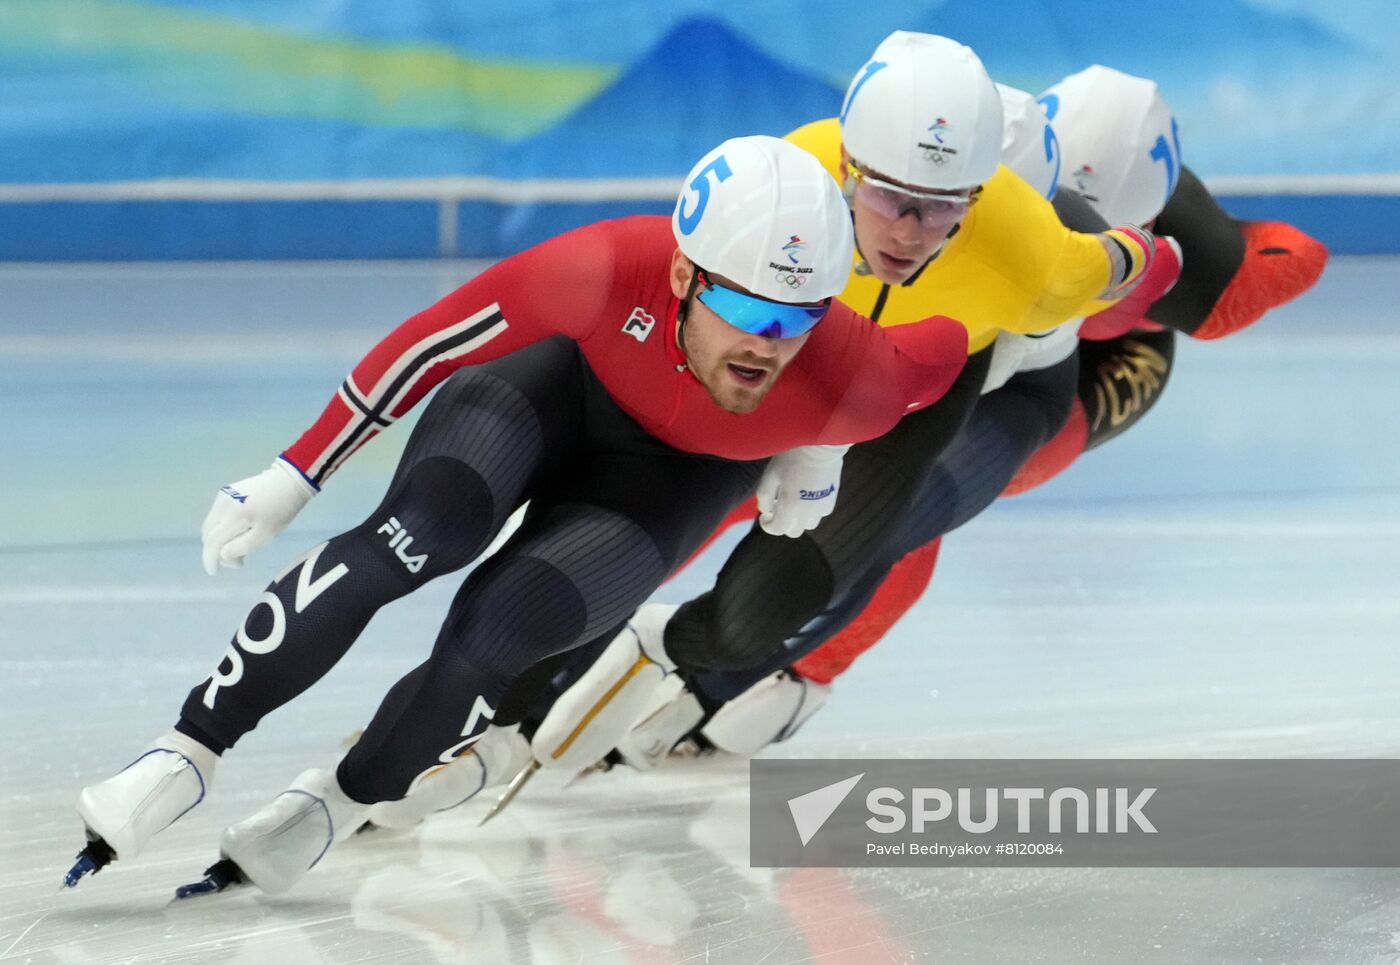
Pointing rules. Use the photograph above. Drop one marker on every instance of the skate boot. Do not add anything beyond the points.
(490, 762)
(124, 812)
(673, 715)
(281, 842)
(594, 715)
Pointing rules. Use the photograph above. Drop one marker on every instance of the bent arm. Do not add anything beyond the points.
(545, 291)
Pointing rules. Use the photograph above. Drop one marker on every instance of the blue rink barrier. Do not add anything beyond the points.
(180, 230)
(287, 230)
(1348, 224)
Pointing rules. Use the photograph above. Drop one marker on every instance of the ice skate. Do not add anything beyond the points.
(490, 762)
(122, 813)
(595, 714)
(281, 842)
(672, 715)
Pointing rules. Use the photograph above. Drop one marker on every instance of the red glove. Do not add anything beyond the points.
(1130, 312)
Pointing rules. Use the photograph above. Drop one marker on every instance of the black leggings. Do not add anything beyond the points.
(535, 426)
(1005, 428)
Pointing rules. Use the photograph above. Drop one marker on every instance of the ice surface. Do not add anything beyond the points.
(1222, 581)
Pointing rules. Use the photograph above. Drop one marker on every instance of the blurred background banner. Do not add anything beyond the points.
(348, 128)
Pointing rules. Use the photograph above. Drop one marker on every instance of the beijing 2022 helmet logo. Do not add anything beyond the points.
(938, 153)
(787, 274)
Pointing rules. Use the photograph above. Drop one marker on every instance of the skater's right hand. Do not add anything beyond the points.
(798, 489)
(250, 512)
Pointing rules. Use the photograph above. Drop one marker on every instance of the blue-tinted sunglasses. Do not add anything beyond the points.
(760, 316)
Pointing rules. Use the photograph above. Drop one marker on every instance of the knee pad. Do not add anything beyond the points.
(569, 575)
(511, 614)
(761, 599)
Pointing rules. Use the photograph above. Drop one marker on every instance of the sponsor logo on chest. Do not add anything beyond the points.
(639, 324)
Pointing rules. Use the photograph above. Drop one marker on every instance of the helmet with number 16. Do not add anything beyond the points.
(1121, 148)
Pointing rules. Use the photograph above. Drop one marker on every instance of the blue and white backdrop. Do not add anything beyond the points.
(350, 128)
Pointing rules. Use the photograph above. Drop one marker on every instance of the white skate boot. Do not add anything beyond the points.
(124, 812)
(490, 762)
(769, 712)
(281, 842)
(672, 715)
(593, 716)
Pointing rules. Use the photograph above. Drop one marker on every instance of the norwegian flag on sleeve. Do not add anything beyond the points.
(390, 381)
(557, 287)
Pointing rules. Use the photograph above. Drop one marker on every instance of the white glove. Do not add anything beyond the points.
(250, 512)
(798, 489)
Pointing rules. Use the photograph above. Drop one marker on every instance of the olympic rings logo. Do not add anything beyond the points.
(789, 279)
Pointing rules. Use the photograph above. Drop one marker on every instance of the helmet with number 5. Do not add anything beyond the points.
(765, 214)
(923, 111)
(1120, 144)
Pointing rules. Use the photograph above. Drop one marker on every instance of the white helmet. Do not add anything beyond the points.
(765, 214)
(1028, 144)
(923, 111)
(1121, 149)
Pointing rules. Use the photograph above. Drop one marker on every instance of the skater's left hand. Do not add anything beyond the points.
(1131, 311)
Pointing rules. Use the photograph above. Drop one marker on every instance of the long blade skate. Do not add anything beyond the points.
(122, 813)
(222, 874)
(512, 789)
